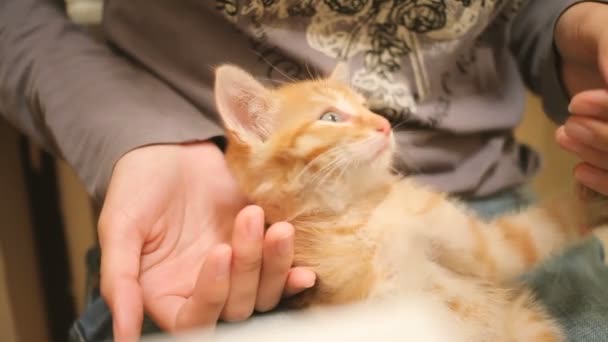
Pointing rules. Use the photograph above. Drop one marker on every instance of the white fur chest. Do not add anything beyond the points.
(401, 261)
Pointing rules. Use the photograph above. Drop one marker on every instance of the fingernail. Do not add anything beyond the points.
(310, 282)
(585, 108)
(579, 132)
(285, 245)
(560, 134)
(255, 230)
(565, 142)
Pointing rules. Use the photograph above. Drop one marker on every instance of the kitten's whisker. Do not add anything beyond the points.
(327, 154)
(340, 164)
(274, 67)
(312, 77)
(332, 166)
(400, 124)
(340, 158)
(329, 168)
(353, 154)
(402, 158)
(272, 80)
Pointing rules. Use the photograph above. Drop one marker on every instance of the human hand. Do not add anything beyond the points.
(169, 244)
(582, 41)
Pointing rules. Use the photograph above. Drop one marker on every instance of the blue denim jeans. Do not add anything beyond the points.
(574, 286)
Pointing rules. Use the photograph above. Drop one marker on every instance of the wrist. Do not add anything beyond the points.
(206, 150)
(174, 153)
(577, 30)
(206, 147)
(576, 37)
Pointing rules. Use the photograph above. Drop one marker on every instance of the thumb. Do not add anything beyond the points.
(120, 260)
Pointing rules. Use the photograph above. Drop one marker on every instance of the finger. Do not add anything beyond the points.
(247, 243)
(277, 258)
(592, 177)
(591, 103)
(210, 292)
(298, 280)
(588, 131)
(120, 256)
(202, 309)
(590, 155)
(603, 57)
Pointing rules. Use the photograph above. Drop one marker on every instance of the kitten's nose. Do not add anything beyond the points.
(384, 126)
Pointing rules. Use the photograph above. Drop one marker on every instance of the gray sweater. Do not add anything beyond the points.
(449, 74)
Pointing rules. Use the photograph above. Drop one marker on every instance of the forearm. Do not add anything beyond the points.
(75, 97)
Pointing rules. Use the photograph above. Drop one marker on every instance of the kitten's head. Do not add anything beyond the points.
(300, 135)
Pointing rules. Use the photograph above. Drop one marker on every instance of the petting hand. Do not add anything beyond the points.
(171, 244)
(581, 37)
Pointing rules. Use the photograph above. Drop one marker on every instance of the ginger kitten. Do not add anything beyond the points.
(313, 154)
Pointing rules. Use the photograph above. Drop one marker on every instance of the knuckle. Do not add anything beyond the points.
(265, 307)
(171, 328)
(110, 222)
(106, 290)
(600, 138)
(248, 263)
(212, 302)
(603, 187)
(237, 314)
(597, 159)
(276, 267)
(103, 225)
(108, 219)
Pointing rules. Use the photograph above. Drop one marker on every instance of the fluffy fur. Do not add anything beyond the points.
(313, 154)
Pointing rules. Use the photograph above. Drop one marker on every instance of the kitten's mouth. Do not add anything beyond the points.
(383, 148)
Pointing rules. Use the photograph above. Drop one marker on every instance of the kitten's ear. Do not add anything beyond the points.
(341, 73)
(243, 103)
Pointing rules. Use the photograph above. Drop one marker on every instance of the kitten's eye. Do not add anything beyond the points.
(331, 117)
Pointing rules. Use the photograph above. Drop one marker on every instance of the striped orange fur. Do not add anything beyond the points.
(520, 240)
(313, 154)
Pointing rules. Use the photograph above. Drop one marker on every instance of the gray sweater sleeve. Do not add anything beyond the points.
(532, 42)
(77, 98)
